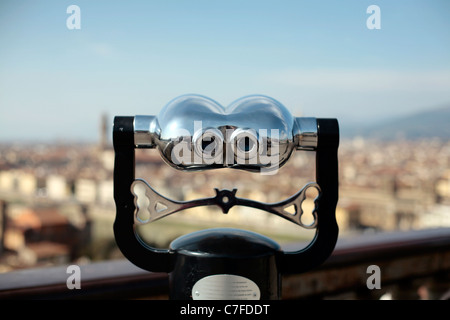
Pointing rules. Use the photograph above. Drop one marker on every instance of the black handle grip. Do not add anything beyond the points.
(327, 177)
(127, 239)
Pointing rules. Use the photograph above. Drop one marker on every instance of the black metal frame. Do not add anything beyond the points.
(161, 260)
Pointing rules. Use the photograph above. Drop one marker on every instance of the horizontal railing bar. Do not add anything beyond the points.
(107, 279)
(121, 279)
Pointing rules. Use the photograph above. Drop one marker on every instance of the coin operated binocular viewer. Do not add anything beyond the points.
(194, 133)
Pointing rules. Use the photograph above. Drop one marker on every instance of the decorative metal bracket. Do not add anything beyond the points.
(157, 206)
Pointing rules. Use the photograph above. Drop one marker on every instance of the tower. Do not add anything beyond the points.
(103, 143)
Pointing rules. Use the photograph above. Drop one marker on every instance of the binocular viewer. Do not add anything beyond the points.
(195, 133)
(254, 133)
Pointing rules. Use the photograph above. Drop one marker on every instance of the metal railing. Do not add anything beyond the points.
(412, 265)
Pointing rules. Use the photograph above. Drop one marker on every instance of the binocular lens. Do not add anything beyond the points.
(245, 144)
(208, 144)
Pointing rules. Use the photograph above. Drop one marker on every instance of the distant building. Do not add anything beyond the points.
(19, 181)
(104, 132)
(42, 235)
(58, 188)
(443, 187)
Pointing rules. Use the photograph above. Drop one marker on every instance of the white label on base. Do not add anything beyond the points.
(225, 287)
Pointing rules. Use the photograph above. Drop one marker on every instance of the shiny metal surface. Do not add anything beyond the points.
(152, 206)
(305, 133)
(254, 133)
(146, 131)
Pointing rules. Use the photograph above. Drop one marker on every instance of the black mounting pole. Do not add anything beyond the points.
(128, 240)
(327, 177)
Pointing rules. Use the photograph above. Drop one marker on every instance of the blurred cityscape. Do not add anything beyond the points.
(57, 206)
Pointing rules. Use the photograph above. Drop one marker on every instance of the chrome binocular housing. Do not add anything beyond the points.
(254, 133)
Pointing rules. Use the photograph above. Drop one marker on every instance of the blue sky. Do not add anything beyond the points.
(131, 57)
